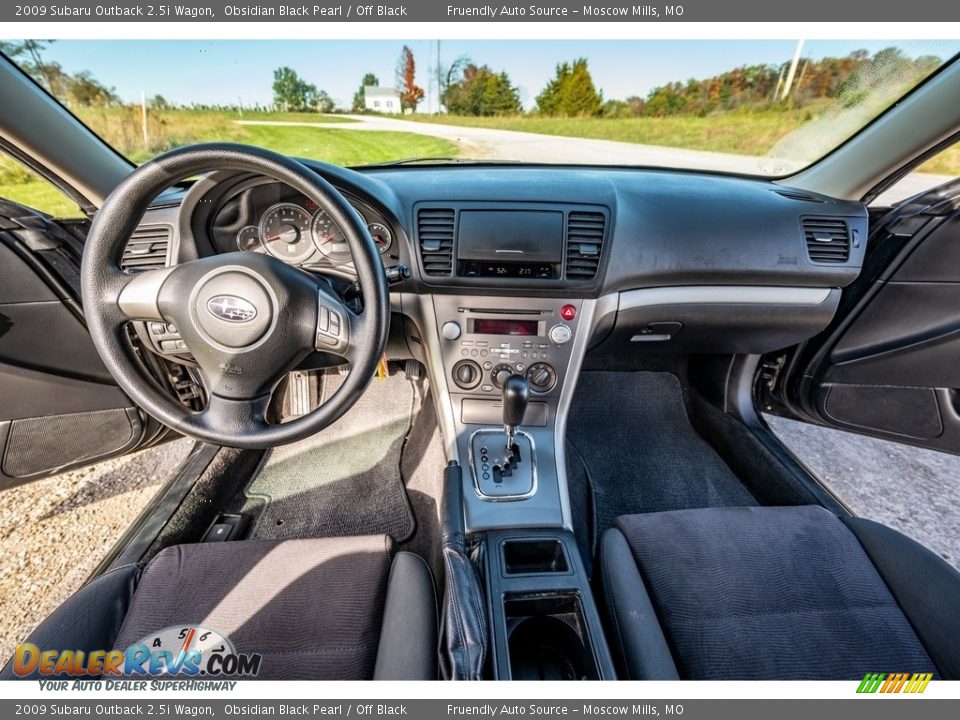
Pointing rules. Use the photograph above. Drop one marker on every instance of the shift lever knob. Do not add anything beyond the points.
(516, 392)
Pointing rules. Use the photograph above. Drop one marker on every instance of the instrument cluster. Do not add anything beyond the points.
(274, 219)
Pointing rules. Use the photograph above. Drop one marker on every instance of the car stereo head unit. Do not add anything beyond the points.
(510, 244)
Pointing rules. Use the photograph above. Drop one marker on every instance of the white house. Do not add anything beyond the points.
(381, 99)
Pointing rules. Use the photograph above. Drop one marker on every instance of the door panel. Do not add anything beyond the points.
(59, 408)
(889, 366)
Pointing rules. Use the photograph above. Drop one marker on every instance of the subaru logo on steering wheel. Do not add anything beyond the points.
(231, 308)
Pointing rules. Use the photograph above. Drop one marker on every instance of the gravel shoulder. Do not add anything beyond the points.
(53, 532)
(912, 490)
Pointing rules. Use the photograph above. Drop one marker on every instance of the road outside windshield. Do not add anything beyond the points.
(753, 107)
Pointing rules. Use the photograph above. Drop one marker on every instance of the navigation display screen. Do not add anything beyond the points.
(490, 326)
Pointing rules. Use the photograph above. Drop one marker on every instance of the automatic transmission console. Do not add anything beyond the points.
(504, 461)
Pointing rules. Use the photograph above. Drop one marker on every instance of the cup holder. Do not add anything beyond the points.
(547, 638)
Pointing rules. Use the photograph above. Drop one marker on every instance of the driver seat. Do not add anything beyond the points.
(315, 609)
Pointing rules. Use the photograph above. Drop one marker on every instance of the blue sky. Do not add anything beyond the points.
(227, 72)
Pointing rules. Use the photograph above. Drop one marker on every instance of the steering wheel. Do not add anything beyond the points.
(248, 318)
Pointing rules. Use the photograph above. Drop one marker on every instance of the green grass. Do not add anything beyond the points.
(740, 133)
(122, 128)
(346, 147)
(41, 195)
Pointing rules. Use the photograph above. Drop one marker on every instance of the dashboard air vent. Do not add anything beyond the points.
(793, 194)
(828, 239)
(435, 235)
(585, 231)
(147, 249)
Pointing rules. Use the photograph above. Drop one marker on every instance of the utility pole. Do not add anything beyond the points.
(793, 70)
(439, 85)
(143, 116)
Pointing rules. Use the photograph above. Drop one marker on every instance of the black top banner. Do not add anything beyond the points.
(443, 11)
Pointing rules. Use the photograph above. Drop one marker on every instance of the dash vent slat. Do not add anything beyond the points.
(585, 235)
(827, 239)
(435, 228)
(148, 248)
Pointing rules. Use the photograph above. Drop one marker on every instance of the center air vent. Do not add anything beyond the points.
(828, 239)
(585, 231)
(147, 249)
(435, 238)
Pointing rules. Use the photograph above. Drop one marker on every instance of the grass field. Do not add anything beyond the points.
(740, 133)
(166, 129)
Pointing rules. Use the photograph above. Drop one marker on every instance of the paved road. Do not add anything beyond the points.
(490, 144)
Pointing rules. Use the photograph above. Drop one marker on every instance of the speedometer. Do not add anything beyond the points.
(285, 233)
(329, 239)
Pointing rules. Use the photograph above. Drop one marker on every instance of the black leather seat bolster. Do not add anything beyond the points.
(408, 634)
(88, 620)
(923, 584)
(633, 629)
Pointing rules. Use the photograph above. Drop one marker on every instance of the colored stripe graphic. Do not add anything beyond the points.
(894, 683)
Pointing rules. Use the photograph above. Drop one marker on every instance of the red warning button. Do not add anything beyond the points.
(568, 312)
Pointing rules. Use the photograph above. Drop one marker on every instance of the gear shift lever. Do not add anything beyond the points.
(516, 392)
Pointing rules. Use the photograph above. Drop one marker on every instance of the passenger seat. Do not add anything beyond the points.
(762, 593)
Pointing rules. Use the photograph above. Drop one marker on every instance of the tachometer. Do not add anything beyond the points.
(285, 233)
(329, 239)
(381, 236)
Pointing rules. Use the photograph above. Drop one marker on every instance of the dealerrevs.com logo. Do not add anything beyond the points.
(177, 651)
(894, 683)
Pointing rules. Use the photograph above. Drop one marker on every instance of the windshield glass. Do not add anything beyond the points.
(753, 107)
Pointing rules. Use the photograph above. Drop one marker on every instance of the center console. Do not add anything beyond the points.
(504, 336)
(482, 341)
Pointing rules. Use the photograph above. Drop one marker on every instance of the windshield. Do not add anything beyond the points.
(752, 107)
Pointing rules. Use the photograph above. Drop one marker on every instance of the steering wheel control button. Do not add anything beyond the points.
(329, 328)
(467, 374)
(561, 334)
(233, 309)
(568, 312)
(451, 330)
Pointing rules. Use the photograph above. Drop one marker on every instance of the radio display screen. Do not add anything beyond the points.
(491, 326)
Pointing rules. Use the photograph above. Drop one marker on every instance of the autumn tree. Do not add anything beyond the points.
(410, 93)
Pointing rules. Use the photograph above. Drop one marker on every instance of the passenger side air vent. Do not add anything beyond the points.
(585, 231)
(147, 249)
(435, 236)
(828, 239)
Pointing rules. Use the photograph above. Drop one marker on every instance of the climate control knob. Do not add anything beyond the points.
(467, 374)
(560, 334)
(542, 377)
(500, 374)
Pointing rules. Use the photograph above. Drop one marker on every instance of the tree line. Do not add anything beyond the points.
(472, 89)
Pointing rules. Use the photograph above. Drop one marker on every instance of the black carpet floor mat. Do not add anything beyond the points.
(346, 479)
(639, 451)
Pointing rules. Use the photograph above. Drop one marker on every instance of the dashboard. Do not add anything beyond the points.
(676, 262)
